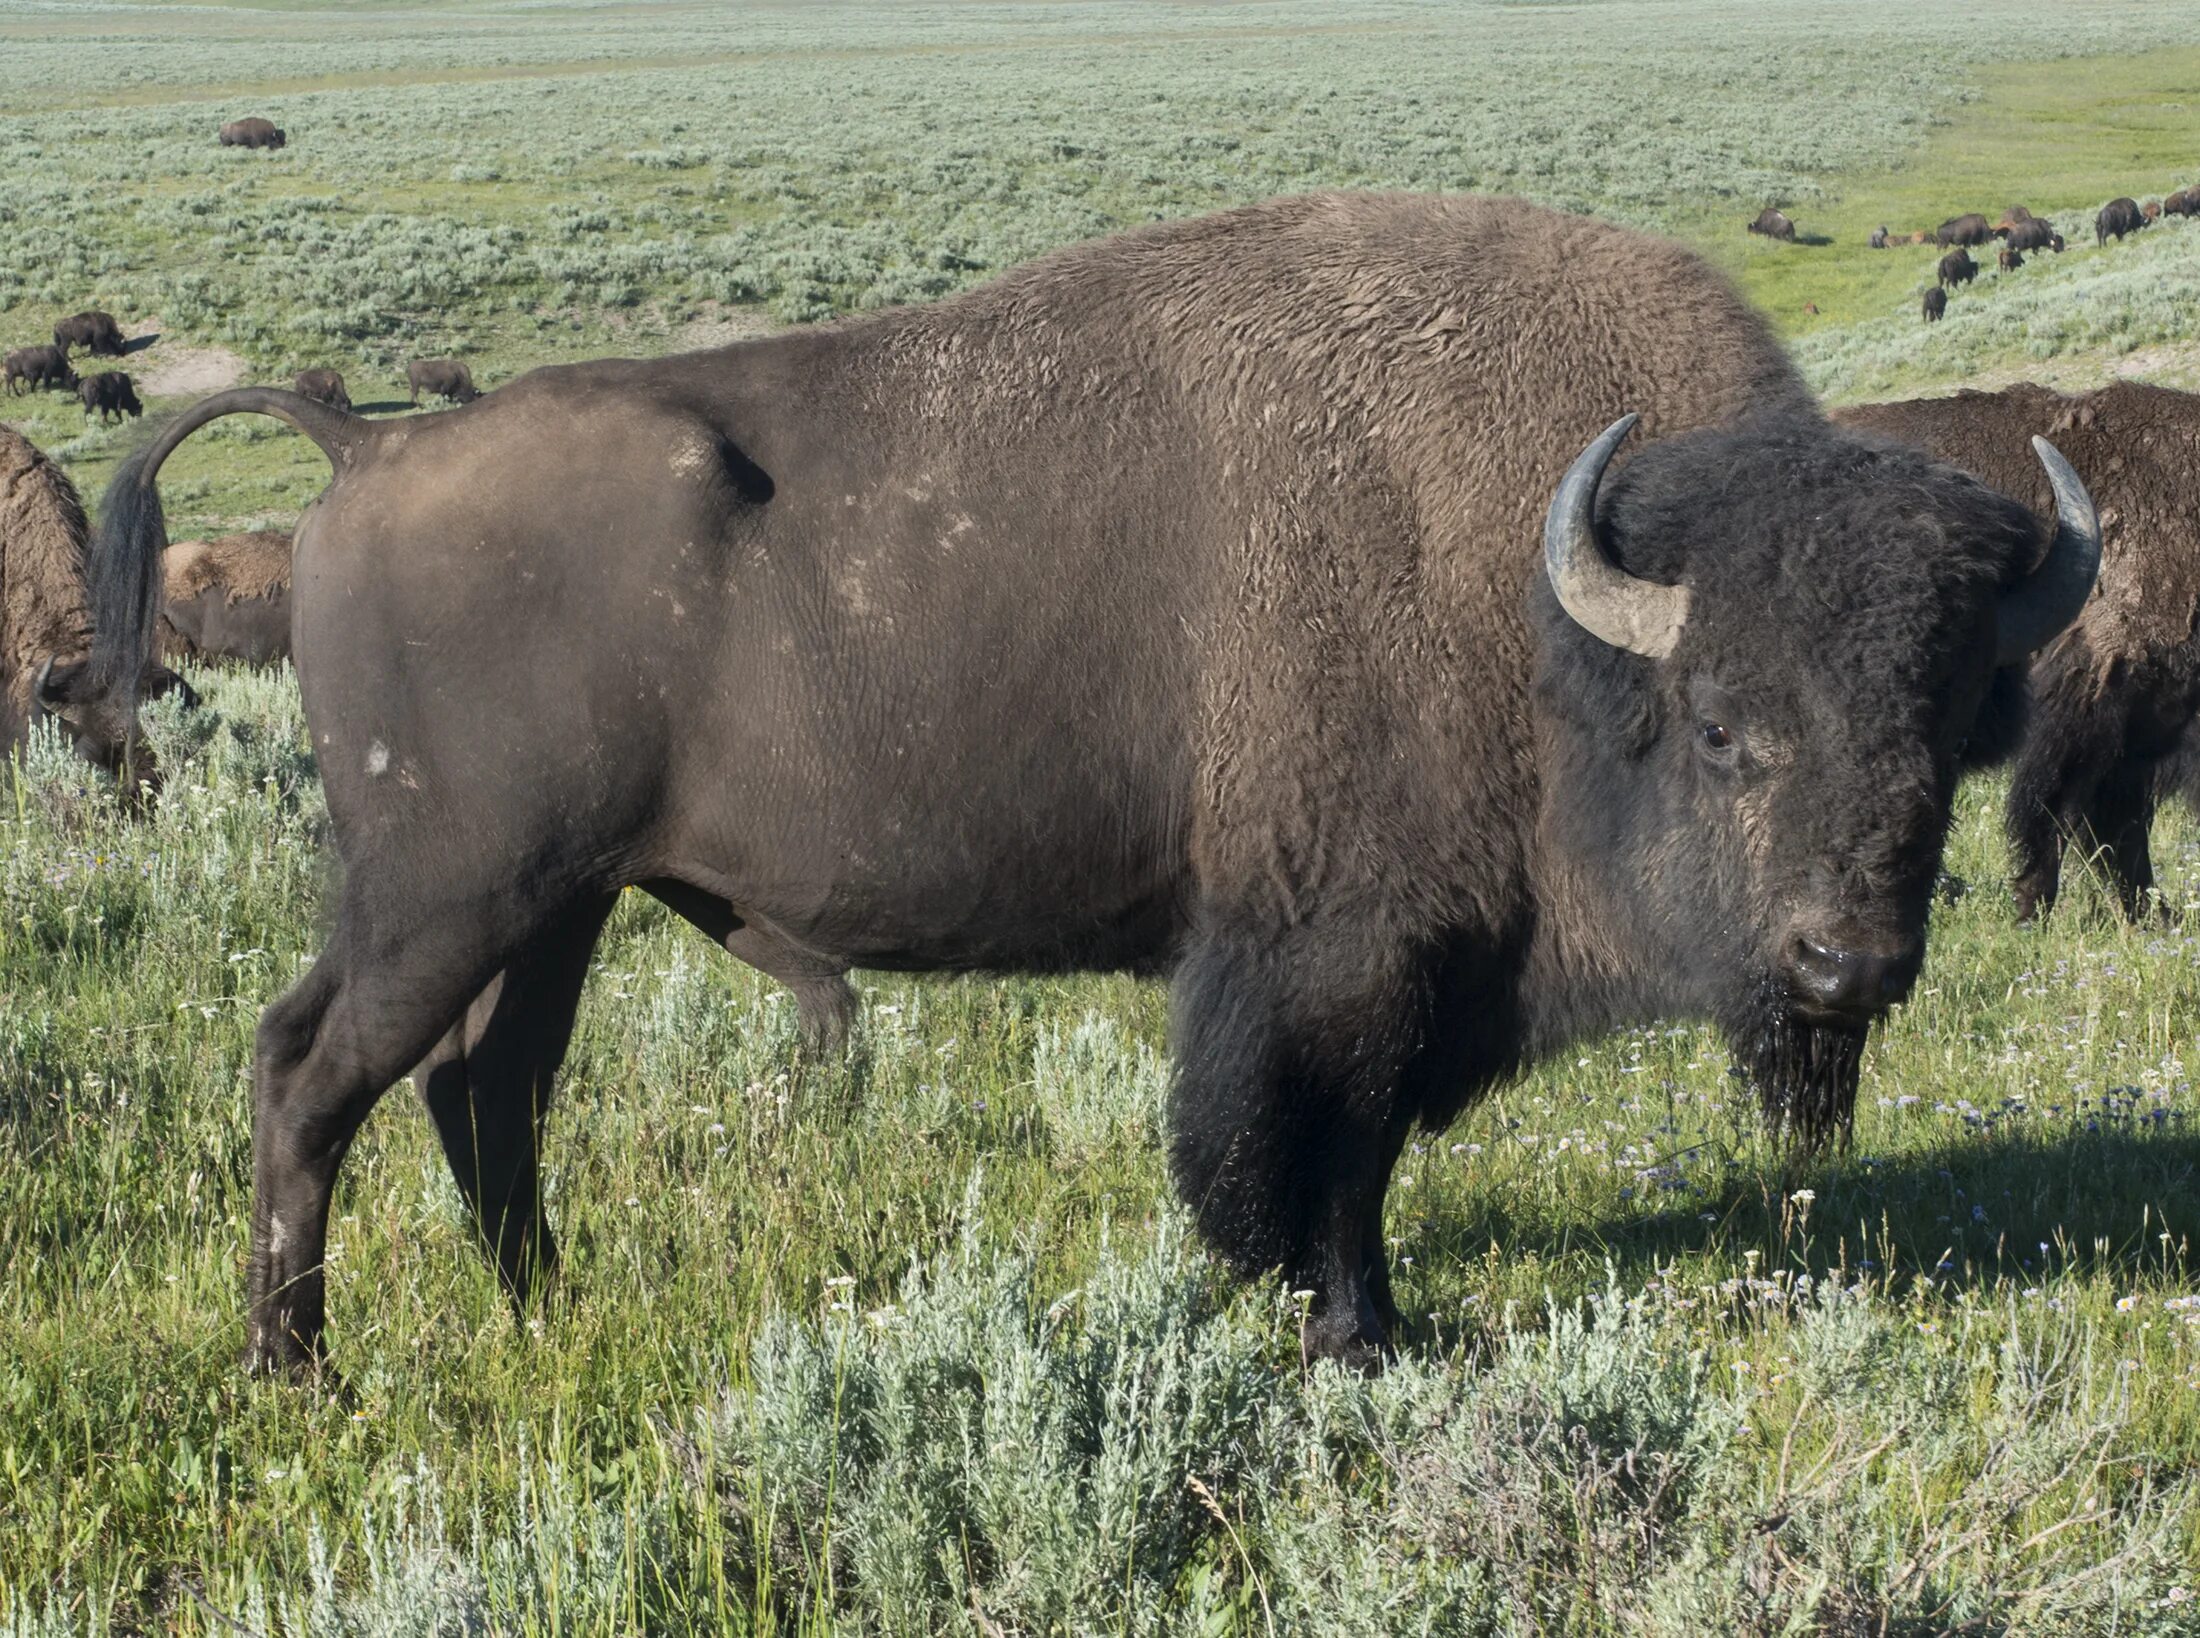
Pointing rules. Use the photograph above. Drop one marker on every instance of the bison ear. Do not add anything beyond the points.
(1640, 616)
(60, 685)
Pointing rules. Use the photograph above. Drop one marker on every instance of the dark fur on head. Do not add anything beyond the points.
(1839, 637)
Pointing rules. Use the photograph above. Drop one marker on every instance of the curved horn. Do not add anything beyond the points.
(1606, 601)
(39, 712)
(2035, 612)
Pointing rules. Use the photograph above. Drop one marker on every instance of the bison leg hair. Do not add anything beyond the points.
(2121, 817)
(1288, 1112)
(392, 979)
(487, 1088)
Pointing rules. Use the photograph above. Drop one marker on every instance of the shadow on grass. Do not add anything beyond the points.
(138, 344)
(2110, 1188)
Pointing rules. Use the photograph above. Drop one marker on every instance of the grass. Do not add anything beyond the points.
(909, 1340)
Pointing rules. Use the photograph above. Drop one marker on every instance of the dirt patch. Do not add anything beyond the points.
(166, 371)
(717, 326)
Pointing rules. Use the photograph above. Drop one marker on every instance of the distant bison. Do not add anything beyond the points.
(1878, 239)
(97, 333)
(2010, 259)
(323, 387)
(2036, 234)
(2151, 210)
(45, 621)
(227, 599)
(2117, 218)
(2115, 698)
(1936, 304)
(2184, 202)
(253, 133)
(29, 369)
(1773, 225)
(1920, 237)
(1957, 268)
(1971, 229)
(109, 393)
(2010, 218)
(445, 378)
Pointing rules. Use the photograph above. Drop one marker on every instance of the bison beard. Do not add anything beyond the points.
(1804, 1074)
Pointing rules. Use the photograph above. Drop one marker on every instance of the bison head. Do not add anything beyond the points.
(66, 694)
(1761, 652)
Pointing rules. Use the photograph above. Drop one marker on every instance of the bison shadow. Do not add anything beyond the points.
(1814, 238)
(2095, 1192)
(138, 344)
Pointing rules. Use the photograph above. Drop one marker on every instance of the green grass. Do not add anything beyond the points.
(910, 1340)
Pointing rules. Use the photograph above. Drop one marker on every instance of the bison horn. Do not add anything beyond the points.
(2034, 613)
(39, 684)
(1606, 601)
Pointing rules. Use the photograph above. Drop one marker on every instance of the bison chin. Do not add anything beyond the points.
(1805, 1072)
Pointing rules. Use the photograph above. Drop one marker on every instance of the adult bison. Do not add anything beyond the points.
(1970, 229)
(45, 617)
(2117, 218)
(323, 387)
(2115, 697)
(1773, 225)
(2010, 218)
(2184, 202)
(2035, 234)
(1878, 240)
(227, 599)
(109, 393)
(1957, 268)
(444, 378)
(1403, 797)
(96, 332)
(31, 369)
(253, 133)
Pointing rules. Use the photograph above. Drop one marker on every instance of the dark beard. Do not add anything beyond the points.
(1805, 1074)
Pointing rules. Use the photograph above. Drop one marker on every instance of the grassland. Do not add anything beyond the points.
(908, 1340)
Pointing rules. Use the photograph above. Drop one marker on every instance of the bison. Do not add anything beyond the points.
(96, 332)
(253, 133)
(2010, 218)
(323, 387)
(2010, 259)
(227, 599)
(1936, 304)
(2117, 218)
(2035, 234)
(1878, 240)
(2183, 202)
(46, 622)
(1434, 738)
(2114, 699)
(445, 378)
(1957, 268)
(109, 393)
(1971, 229)
(29, 369)
(1773, 225)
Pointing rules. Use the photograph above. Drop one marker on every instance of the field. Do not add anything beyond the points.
(908, 1339)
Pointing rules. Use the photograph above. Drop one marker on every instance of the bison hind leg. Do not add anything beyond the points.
(1288, 1112)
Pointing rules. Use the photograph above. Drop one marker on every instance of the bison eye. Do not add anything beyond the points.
(1716, 739)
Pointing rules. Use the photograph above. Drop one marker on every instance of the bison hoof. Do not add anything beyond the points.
(1348, 1333)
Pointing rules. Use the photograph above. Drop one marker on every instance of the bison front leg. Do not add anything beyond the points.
(487, 1088)
(1287, 1114)
(2122, 816)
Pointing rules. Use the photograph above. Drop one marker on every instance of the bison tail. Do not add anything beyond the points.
(125, 569)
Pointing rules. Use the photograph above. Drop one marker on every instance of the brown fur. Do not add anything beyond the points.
(42, 544)
(254, 564)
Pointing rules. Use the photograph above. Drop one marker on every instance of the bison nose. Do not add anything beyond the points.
(1850, 976)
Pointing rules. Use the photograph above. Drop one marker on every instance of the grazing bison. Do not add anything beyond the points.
(1773, 225)
(253, 133)
(2011, 218)
(2117, 218)
(2184, 202)
(109, 393)
(1957, 268)
(1971, 229)
(2009, 259)
(2036, 234)
(227, 599)
(28, 369)
(1936, 304)
(446, 378)
(45, 616)
(323, 387)
(1879, 237)
(2114, 698)
(97, 333)
(1425, 747)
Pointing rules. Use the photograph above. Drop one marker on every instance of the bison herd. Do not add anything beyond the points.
(1483, 687)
